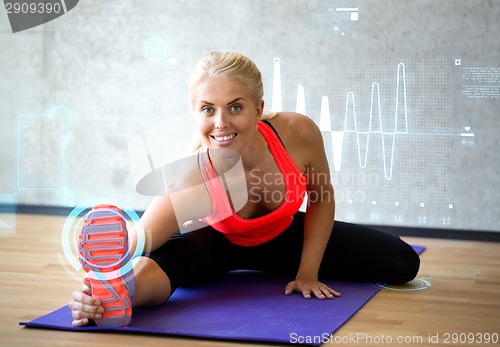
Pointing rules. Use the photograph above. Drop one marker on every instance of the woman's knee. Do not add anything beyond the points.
(153, 286)
(406, 267)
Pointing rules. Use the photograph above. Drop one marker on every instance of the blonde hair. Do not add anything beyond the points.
(230, 65)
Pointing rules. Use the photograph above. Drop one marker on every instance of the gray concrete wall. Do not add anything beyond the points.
(76, 91)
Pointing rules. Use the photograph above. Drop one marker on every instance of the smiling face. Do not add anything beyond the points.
(226, 113)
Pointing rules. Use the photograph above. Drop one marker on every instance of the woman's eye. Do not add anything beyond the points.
(207, 110)
(235, 108)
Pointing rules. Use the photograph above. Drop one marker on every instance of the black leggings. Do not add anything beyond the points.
(354, 252)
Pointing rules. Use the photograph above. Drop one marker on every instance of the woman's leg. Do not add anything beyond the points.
(184, 260)
(152, 285)
(357, 252)
(354, 252)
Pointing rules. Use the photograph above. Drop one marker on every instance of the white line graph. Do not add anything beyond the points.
(366, 137)
(363, 137)
(375, 125)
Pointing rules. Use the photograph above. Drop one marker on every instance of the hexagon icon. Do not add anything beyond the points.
(155, 49)
(61, 116)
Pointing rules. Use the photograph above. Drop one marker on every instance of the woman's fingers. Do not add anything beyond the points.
(85, 298)
(318, 289)
(79, 322)
(325, 292)
(84, 308)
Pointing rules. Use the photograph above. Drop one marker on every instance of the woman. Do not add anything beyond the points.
(283, 157)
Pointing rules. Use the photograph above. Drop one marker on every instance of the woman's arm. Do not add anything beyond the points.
(158, 222)
(320, 210)
(186, 199)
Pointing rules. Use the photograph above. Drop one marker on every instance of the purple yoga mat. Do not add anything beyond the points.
(243, 305)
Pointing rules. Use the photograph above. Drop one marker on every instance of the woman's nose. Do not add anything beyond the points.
(220, 120)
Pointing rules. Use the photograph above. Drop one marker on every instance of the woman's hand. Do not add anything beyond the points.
(306, 286)
(84, 307)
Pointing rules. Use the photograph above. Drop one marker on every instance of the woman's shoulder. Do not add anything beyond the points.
(300, 135)
(294, 126)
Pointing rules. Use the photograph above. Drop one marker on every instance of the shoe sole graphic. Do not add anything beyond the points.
(103, 250)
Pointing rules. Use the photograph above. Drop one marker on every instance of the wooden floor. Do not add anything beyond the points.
(463, 296)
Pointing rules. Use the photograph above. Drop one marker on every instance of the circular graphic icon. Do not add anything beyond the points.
(416, 284)
(73, 224)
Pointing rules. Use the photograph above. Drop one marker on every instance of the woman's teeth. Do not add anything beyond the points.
(224, 138)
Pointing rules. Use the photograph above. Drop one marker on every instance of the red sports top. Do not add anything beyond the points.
(255, 231)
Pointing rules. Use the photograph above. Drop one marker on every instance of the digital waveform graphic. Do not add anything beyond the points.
(352, 117)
